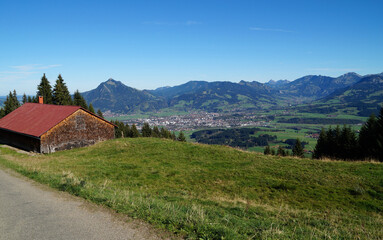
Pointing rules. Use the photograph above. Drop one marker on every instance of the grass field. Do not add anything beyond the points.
(216, 192)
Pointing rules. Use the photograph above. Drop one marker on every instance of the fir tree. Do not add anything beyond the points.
(320, 147)
(146, 131)
(181, 137)
(91, 108)
(173, 136)
(298, 149)
(367, 140)
(29, 99)
(78, 100)
(135, 132)
(348, 144)
(44, 89)
(128, 131)
(165, 133)
(272, 151)
(25, 99)
(99, 113)
(11, 103)
(281, 151)
(156, 132)
(267, 150)
(379, 125)
(61, 95)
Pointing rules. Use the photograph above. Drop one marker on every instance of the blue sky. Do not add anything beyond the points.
(149, 44)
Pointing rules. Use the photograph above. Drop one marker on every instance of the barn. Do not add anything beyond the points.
(46, 128)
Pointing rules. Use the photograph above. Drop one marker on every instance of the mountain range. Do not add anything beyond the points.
(348, 90)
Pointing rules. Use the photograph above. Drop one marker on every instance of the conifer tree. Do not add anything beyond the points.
(173, 136)
(91, 108)
(78, 100)
(11, 103)
(99, 113)
(135, 132)
(368, 136)
(25, 99)
(320, 147)
(281, 151)
(128, 131)
(61, 95)
(267, 150)
(29, 99)
(181, 137)
(272, 151)
(348, 144)
(298, 149)
(44, 89)
(164, 133)
(146, 131)
(156, 132)
(379, 124)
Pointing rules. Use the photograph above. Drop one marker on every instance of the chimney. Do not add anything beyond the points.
(41, 100)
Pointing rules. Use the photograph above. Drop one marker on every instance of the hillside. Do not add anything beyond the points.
(214, 192)
(314, 87)
(366, 96)
(216, 96)
(114, 96)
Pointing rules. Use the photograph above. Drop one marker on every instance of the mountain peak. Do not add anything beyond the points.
(349, 74)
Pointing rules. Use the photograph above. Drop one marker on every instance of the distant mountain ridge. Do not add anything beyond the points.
(220, 96)
(115, 96)
(366, 95)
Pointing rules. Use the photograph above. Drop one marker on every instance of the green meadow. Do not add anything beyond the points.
(215, 192)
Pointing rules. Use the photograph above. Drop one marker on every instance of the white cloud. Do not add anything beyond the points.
(270, 29)
(31, 67)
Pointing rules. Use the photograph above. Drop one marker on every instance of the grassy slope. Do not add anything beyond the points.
(202, 191)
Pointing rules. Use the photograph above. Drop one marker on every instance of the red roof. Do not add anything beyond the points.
(36, 119)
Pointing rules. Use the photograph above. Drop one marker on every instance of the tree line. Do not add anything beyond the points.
(344, 144)
(297, 150)
(125, 131)
(58, 95)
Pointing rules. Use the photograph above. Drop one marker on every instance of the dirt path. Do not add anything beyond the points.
(29, 210)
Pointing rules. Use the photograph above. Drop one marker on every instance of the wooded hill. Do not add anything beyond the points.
(360, 92)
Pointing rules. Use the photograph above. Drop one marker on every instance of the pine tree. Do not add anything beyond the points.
(348, 144)
(367, 140)
(44, 89)
(146, 131)
(173, 136)
(379, 124)
(165, 133)
(135, 132)
(91, 108)
(128, 131)
(99, 113)
(298, 149)
(267, 150)
(78, 100)
(25, 99)
(281, 151)
(29, 99)
(2, 112)
(320, 147)
(11, 103)
(156, 132)
(181, 137)
(61, 95)
(272, 151)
